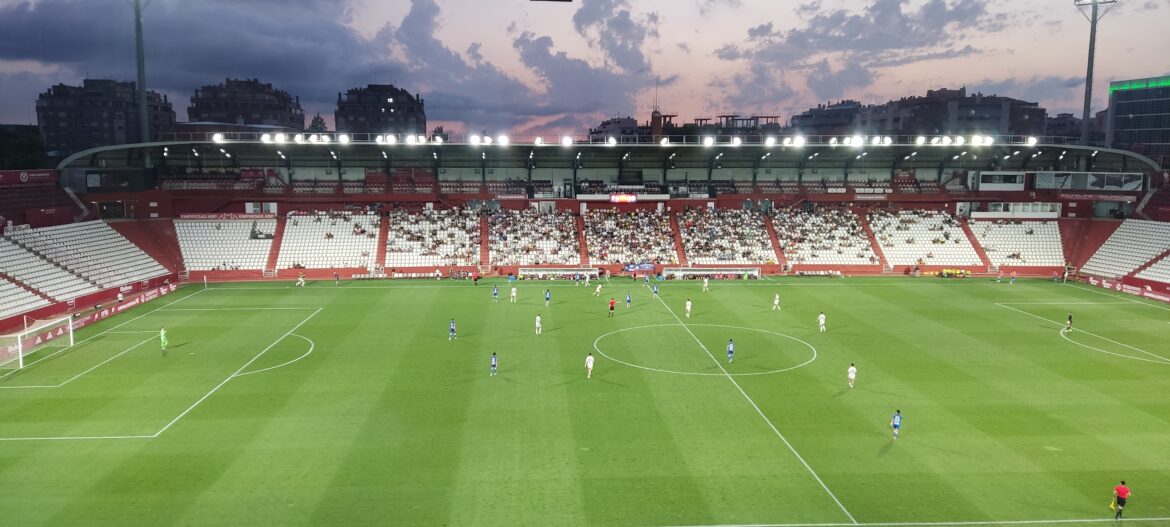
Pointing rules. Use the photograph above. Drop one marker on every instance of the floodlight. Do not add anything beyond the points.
(566, 141)
(343, 139)
(411, 139)
(665, 141)
(487, 140)
(1032, 141)
(708, 141)
(977, 140)
(875, 140)
(946, 140)
(787, 141)
(736, 141)
(313, 138)
(538, 141)
(438, 140)
(502, 140)
(217, 137)
(988, 141)
(475, 139)
(959, 140)
(858, 141)
(266, 138)
(611, 141)
(920, 140)
(798, 141)
(380, 139)
(771, 141)
(935, 140)
(325, 139)
(279, 138)
(833, 141)
(299, 138)
(887, 140)
(391, 139)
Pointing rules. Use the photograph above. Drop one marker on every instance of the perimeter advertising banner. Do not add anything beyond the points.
(229, 216)
(28, 177)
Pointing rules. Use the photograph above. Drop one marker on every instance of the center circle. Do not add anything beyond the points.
(685, 333)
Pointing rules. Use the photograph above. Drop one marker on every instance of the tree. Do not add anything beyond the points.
(439, 132)
(317, 125)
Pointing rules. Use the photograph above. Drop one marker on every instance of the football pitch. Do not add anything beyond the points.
(349, 405)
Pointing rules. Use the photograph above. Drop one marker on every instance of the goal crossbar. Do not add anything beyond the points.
(15, 347)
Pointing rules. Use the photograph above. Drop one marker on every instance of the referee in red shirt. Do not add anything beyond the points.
(1121, 492)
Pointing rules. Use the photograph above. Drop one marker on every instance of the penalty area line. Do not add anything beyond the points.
(1162, 360)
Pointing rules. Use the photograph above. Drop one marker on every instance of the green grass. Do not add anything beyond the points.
(388, 422)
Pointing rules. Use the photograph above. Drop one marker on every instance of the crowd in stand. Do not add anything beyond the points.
(449, 236)
(725, 236)
(905, 222)
(641, 236)
(530, 237)
(823, 236)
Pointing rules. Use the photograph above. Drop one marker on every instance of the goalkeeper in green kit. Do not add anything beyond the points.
(162, 340)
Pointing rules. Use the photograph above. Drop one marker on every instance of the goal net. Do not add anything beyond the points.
(37, 335)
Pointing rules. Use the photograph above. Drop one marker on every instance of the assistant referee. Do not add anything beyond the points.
(1121, 492)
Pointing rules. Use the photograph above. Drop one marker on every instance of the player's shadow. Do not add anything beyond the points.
(840, 393)
(886, 448)
(176, 346)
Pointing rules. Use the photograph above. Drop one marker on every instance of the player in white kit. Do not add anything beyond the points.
(821, 321)
(537, 324)
(688, 308)
(512, 299)
(776, 302)
(597, 292)
(589, 366)
(851, 374)
(706, 284)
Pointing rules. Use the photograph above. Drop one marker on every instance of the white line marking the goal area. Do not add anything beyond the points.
(941, 524)
(184, 413)
(852, 520)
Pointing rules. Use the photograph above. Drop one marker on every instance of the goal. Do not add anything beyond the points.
(16, 347)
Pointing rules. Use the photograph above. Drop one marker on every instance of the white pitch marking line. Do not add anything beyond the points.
(1164, 360)
(91, 368)
(71, 438)
(311, 346)
(128, 332)
(938, 524)
(237, 372)
(761, 413)
(1061, 303)
(83, 341)
(1114, 296)
(240, 309)
(696, 374)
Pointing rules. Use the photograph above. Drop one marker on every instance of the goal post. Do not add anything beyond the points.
(16, 347)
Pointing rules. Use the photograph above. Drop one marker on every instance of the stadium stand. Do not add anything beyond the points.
(910, 237)
(225, 245)
(825, 236)
(92, 250)
(322, 240)
(725, 236)
(433, 238)
(16, 199)
(529, 237)
(1131, 245)
(41, 274)
(641, 236)
(1016, 243)
(15, 299)
(1158, 272)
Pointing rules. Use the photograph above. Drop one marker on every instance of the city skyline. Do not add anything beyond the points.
(534, 67)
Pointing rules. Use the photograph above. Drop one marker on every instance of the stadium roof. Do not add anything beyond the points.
(823, 153)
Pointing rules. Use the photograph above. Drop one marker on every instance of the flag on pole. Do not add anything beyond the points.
(1113, 504)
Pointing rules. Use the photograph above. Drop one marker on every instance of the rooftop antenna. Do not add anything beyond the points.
(1093, 13)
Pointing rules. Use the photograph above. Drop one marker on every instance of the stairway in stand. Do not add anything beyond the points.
(580, 222)
(274, 252)
(383, 237)
(975, 243)
(156, 238)
(780, 258)
(1086, 237)
(485, 255)
(676, 233)
(863, 219)
(1152, 261)
(26, 287)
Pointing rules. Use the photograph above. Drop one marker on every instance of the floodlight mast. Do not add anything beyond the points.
(143, 116)
(1094, 14)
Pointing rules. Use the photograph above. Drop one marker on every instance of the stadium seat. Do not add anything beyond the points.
(433, 238)
(1134, 243)
(225, 244)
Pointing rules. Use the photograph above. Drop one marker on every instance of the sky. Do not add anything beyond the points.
(528, 68)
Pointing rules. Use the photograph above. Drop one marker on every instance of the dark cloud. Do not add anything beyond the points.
(1034, 89)
(307, 48)
(885, 33)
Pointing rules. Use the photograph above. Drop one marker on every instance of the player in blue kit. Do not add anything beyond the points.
(451, 331)
(629, 299)
(493, 365)
(646, 280)
(547, 297)
(496, 294)
(896, 423)
(730, 350)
